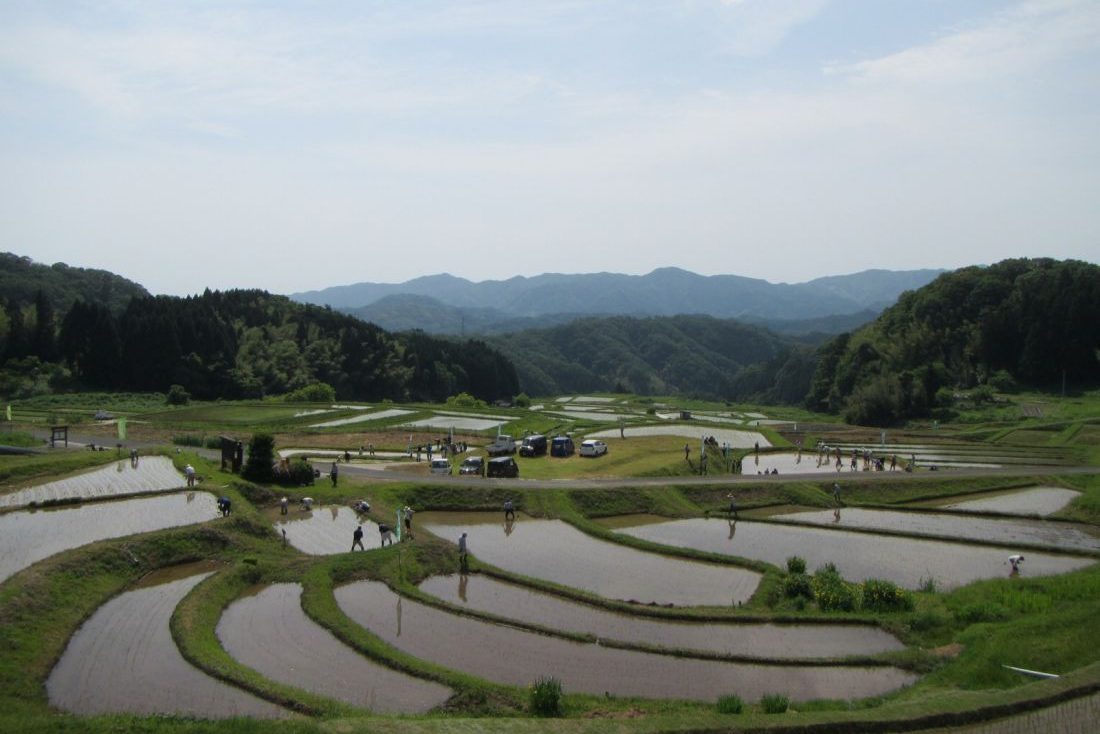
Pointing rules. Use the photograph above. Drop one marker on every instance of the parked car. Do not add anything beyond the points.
(533, 446)
(441, 466)
(592, 447)
(501, 446)
(503, 466)
(472, 465)
(561, 446)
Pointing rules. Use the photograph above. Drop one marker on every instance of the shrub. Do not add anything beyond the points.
(177, 395)
(545, 698)
(731, 704)
(1002, 381)
(774, 703)
(318, 392)
(982, 612)
(522, 400)
(187, 440)
(927, 585)
(885, 596)
(798, 585)
(831, 592)
(261, 456)
(796, 564)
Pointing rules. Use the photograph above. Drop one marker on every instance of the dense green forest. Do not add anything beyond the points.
(22, 279)
(691, 355)
(1019, 322)
(235, 344)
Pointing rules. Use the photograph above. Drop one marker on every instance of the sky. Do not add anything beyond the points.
(292, 146)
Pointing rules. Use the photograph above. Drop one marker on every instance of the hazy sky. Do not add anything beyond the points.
(297, 145)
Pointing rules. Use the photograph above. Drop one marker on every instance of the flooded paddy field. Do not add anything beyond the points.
(123, 660)
(1005, 532)
(510, 601)
(152, 474)
(1035, 501)
(555, 551)
(323, 530)
(460, 423)
(511, 656)
(735, 438)
(858, 556)
(958, 454)
(269, 632)
(27, 537)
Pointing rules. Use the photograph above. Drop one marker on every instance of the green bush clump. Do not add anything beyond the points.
(318, 392)
(796, 564)
(885, 596)
(545, 697)
(831, 592)
(731, 704)
(798, 585)
(774, 703)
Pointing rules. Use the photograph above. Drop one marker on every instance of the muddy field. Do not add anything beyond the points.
(27, 537)
(556, 551)
(858, 556)
(1005, 532)
(508, 655)
(123, 660)
(268, 631)
(756, 640)
(152, 474)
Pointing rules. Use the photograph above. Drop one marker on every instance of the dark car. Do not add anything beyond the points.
(561, 446)
(533, 446)
(503, 466)
(472, 465)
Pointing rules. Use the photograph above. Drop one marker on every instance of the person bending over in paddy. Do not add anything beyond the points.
(1015, 562)
(509, 510)
(357, 538)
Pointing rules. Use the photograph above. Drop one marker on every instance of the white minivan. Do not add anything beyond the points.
(592, 447)
(441, 466)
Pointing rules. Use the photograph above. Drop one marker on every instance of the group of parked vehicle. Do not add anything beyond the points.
(503, 448)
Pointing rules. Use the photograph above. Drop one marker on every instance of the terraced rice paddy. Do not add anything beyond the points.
(735, 438)
(324, 530)
(461, 423)
(858, 556)
(1036, 501)
(123, 660)
(556, 551)
(486, 594)
(376, 416)
(27, 537)
(995, 531)
(269, 632)
(508, 655)
(153, 474)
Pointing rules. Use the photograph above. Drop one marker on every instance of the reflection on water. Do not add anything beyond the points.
(556, 551)
(28, 537)
(511, 601)
(123, 660)
(511, 656)
(858, 556)
(270, 633)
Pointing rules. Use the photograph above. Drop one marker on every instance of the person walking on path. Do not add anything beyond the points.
(333, 473)
(687, 452)
(463, 554)
(836, 493)
(357, 538)
(509, 510)
(284, 505)
(407, 514)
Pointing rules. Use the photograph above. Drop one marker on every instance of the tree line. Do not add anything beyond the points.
(235, 344)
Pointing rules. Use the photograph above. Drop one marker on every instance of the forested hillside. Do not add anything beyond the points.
(1030, 322)
(22, 280)
(692, 355)
(235, 344)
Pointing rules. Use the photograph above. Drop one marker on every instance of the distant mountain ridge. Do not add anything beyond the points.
(444, 304)
(663, 292)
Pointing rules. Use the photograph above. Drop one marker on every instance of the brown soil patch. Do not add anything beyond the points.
(947, 651)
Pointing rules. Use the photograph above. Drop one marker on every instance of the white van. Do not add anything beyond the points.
(592, 447)
(441, 466)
